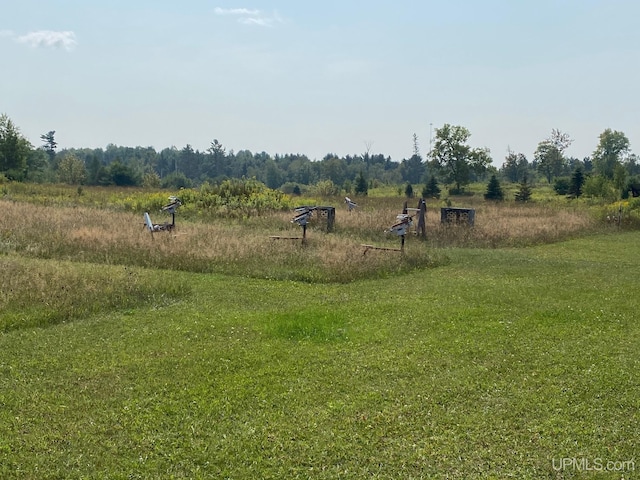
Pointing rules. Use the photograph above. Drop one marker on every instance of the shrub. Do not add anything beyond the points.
(599, 186)
(326, 188)
(562, 185)
(176, 180)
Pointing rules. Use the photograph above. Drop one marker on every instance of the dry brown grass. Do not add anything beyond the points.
(234, 247)
(244, 247)
(498, 224)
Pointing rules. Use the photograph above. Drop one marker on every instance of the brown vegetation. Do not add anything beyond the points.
(244, 247)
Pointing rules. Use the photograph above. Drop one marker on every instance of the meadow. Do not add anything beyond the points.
(216, 352)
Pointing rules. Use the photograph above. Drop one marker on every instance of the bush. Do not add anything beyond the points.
(599, 186)
(151, 180)
(326, 188)
(633, 187)
(459, 191)
(291, 188)
(562, 185)
(176, 180)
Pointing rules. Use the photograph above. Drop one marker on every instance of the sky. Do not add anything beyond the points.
(313, 78)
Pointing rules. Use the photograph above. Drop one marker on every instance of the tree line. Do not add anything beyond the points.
(451, 161)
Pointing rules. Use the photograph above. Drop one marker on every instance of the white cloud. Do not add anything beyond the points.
(249, 16)
(235, 11)
(49, 39)
(263, 22)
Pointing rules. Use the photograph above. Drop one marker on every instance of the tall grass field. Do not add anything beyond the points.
(509, 350)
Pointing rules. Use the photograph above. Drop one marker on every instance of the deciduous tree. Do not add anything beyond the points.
(612, 147)
(515, 166)
(550, 154)
(456, 159)
(72, 170)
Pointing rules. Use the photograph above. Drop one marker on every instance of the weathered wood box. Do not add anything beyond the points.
(458, 216)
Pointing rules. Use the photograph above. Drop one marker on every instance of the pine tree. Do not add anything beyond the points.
(494, 190)
(524, 191)
(577, 181)
(431, 189)
(408, 191)
(49, 145)
(362, 187)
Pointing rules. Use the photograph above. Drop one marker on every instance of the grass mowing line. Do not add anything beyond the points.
(41, 293)
(489, 367)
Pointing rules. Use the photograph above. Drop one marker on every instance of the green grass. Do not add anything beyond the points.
(42, 293)
(491, 366)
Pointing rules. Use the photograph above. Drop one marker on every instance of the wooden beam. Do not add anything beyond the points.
(373, 247)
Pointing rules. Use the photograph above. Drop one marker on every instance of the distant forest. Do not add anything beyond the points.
(449, 161)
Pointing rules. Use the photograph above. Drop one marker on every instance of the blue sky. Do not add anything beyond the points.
(289, 76)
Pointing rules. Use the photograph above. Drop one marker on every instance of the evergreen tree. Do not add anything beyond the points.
(14, 150)
(494, 190)
(577, 181)
(561, 185)
(362, 186)
(408, 191)
(524, 191)
(431, 189)
(49, 144)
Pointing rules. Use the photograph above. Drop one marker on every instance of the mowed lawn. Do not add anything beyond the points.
(505, 363)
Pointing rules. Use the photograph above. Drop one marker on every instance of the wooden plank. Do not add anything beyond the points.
(373, 247)
(276, 237)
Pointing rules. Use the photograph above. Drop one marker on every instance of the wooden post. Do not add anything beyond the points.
(422, 221)
(619, 214)
(331, 217)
